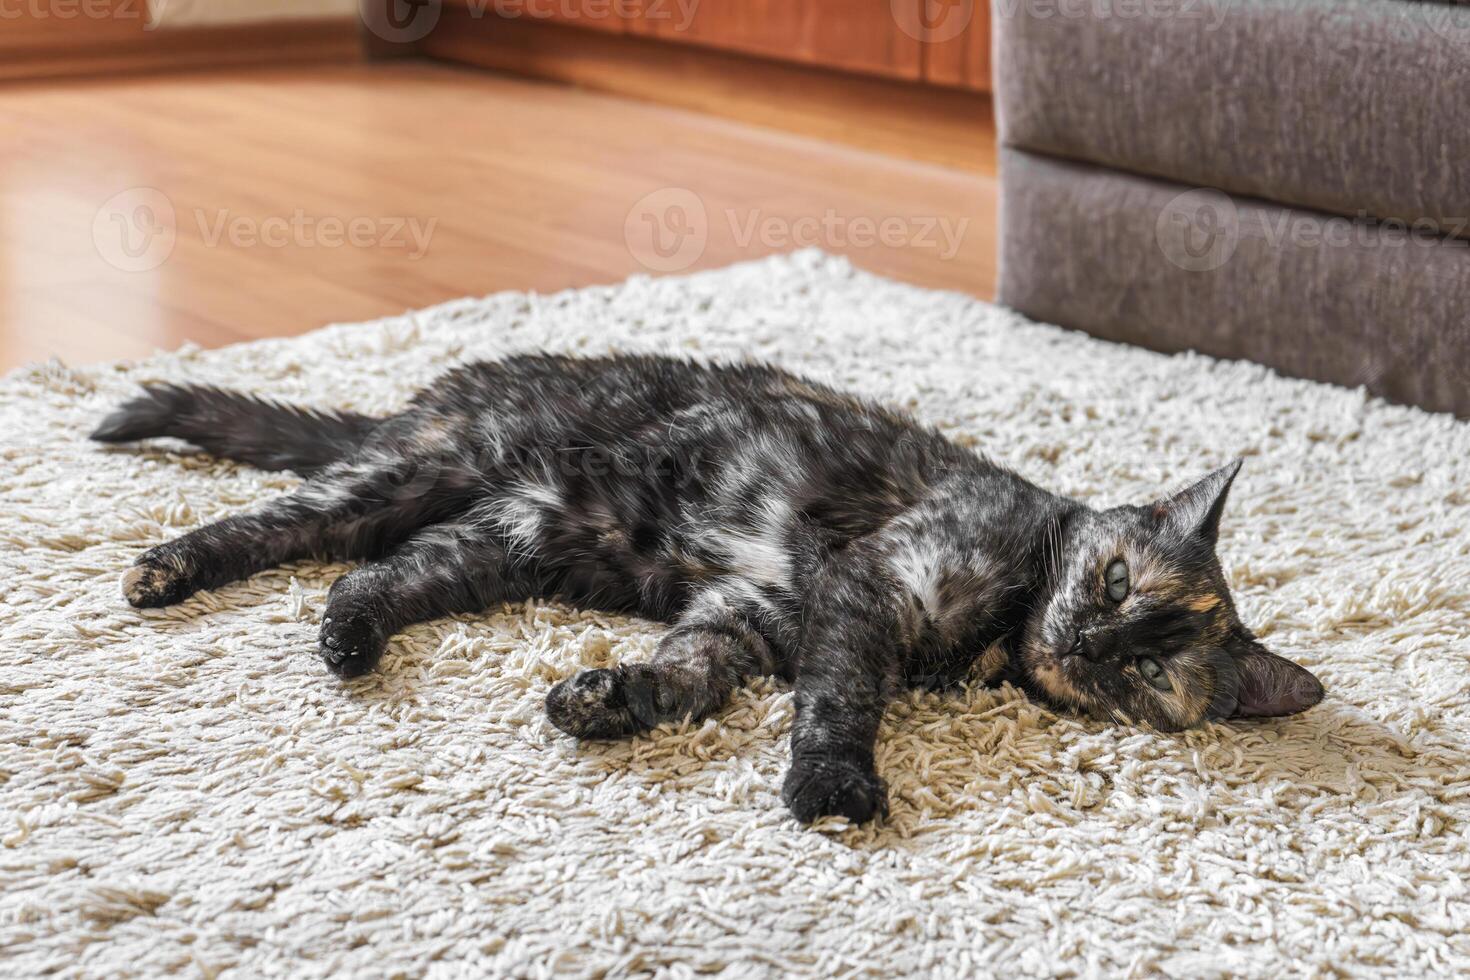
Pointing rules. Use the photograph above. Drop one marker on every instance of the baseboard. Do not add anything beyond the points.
(946, 126)
(277, 42)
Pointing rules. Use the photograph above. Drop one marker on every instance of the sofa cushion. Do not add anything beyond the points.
(1347, 106)
(1144, 261)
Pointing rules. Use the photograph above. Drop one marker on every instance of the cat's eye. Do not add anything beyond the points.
(1153, 672)
(1116, 580)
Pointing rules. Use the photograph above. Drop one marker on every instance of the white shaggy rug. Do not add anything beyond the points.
(188, 790)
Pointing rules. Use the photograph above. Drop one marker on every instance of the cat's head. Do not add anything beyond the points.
(1136, 621)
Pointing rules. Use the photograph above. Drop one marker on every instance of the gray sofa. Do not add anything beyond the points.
(1286, 181)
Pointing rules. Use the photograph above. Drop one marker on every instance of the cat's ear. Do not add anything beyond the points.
(1268, 686)
(1196, 510)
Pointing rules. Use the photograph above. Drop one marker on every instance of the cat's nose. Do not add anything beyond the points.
(1079, 646)
(1088, 643)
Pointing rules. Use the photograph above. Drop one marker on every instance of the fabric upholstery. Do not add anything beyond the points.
(1345, 106)
(1155, 263)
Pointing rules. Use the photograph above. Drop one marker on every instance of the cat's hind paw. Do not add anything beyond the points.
(834, 788)
(153, 583)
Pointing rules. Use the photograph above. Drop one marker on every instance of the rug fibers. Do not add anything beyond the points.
(188, 791)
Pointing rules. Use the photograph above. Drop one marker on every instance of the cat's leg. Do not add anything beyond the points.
(846, 670)
(699, 663)
(349, 511)
(457, 567)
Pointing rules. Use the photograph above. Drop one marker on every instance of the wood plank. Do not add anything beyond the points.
(944, 126)
(103, 47)
(957, 42)
(69, 22)
(851, 35)
(527, 186)
(612, 16)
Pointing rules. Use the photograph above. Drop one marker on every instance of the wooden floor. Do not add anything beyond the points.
(136, 214)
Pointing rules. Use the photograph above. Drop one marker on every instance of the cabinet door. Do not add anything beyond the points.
(855, 35)
(595, 15)
(32, 27)
(957, 42)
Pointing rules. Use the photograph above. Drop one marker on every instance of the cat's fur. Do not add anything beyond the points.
(782, 528)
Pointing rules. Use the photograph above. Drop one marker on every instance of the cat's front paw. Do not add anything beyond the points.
(594, 704)
(153, 583)
(834, 788)
(351, 645)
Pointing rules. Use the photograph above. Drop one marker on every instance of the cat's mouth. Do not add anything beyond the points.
(1054, 671)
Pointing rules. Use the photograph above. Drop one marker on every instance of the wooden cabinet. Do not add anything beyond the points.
(594, 15)
(59, 27)
(89, 37)
(851, 35)
(939, 42)
(957, 52)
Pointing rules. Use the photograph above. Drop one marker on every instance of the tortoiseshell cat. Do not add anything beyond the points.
(780, 526)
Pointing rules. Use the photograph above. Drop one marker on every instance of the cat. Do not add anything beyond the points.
(782, 528)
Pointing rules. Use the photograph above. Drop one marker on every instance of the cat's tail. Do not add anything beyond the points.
(263, 433)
